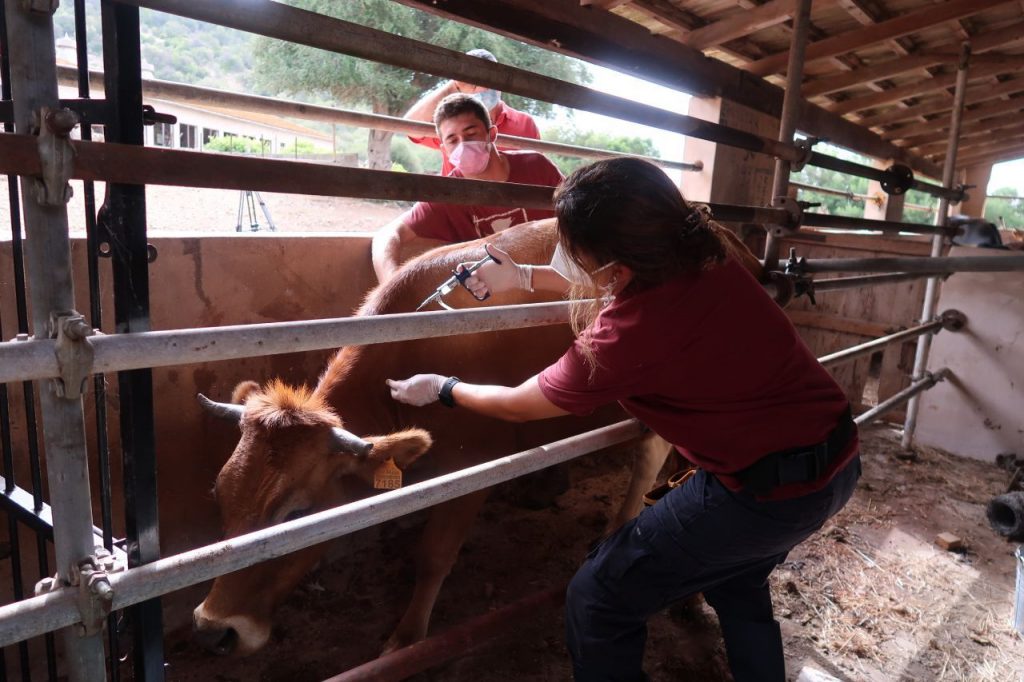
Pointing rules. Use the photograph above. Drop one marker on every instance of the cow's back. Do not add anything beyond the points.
(356, 377)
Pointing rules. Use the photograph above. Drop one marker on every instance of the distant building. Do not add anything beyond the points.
(198, 124)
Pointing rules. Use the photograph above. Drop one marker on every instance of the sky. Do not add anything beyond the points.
(670, 145)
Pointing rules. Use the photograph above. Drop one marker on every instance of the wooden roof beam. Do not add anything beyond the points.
(607, 5)
(741, 24)
(980, 150)
(979, 43)
(1008, 154)
(1005, 67)
(975, 95)
(969, 142)
(915, 136)
(870, 35)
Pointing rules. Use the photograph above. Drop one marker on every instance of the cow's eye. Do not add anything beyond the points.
(297, 513)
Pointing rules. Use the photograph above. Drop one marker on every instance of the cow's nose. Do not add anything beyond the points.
(218, 640)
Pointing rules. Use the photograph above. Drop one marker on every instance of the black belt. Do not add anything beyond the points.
(798, 465)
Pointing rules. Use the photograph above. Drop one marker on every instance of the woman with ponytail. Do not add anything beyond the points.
(670, 324)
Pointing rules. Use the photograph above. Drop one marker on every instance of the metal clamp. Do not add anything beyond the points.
(959, 194)
(794, 265)
(74, 353)
(784, 285)
(95, 595)
(953, 320)
(806, 147)
(899, 178)
(794, 216)
(56, 156)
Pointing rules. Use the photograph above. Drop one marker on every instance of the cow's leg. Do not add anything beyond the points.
(446, 529)
(646, 464)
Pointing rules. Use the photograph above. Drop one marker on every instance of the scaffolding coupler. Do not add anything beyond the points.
(56, 155)
(95, 594)
(74, 353)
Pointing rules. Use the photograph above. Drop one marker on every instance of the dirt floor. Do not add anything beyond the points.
(870, 597)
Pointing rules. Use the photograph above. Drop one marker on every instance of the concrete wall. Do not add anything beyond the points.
(979, 413)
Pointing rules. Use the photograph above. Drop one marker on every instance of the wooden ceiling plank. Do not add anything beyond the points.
(925, 86)
(979, 43)
(1008, 154)
(856, 39)
(974, 96)
(741, 24)
(938, 132)
(966, 143)
(607, 5)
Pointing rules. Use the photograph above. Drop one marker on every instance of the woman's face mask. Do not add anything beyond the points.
(566, 267)
(471, 157)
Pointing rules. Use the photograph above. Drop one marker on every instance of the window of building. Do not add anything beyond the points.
(163, 135)
(186, 136)
(209, 134)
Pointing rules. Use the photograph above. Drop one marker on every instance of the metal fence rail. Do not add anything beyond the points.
(58, 609)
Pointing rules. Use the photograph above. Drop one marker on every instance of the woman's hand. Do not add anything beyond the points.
(501, 274)
(418, 390)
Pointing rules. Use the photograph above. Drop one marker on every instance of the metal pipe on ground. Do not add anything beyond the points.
(931, 292)
(453, 643)
(853, 352)
(903, 396)
(195, 94)
(58, 609)
(946, 264)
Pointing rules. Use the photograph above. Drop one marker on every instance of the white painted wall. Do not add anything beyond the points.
(979, 413)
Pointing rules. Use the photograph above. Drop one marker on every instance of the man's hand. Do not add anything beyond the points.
(501, 274)
(418, 390)
(467, 88)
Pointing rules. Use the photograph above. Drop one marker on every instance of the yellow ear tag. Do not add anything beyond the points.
(387, 476)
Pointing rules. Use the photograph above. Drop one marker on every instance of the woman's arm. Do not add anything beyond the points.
(504, 274)
(521, 403)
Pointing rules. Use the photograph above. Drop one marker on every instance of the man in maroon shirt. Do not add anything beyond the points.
(687, 341)
(507, 120)
(467, 134)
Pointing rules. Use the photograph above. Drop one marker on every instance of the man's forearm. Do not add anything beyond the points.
(384, 252)
(423, 110)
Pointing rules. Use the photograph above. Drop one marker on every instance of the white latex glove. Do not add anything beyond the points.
(493, 277)
(418, 390)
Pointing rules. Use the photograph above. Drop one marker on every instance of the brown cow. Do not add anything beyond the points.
(288, 461)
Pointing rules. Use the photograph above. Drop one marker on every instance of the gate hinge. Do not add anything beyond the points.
(95, 595)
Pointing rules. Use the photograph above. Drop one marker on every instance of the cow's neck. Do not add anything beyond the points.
(352, 385)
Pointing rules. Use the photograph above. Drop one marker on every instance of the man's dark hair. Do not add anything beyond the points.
(457, 104)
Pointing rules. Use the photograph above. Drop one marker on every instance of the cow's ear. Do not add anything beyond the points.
(405, 447)
(243, 391)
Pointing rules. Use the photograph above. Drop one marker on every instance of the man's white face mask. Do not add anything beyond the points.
(566, 267)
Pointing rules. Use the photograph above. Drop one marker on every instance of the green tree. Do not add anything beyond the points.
(289, 69)
(1005, 212)
(236, 145)
(567, 134)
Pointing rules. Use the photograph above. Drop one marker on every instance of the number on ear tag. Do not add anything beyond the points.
(387, 476)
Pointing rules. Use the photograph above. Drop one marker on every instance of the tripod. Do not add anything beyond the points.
(247, 202)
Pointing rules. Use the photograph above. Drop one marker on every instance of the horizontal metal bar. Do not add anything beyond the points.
(903, 396)
(277, 20)
(31, 617)
(847, 354)
(90, 111)
(822, 286)
(35, 359)
(860, 170)
(936, 265)
(828, 190)
(849, 223)
(731, 213)
(110, 162)
(20, 503)
(194, 94)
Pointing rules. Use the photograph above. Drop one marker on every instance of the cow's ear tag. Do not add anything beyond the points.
(387, 476)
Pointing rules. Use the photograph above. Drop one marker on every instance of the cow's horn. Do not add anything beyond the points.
(346, 440)
(227, 411)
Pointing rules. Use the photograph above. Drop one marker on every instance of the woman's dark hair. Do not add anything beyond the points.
(627, 210)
